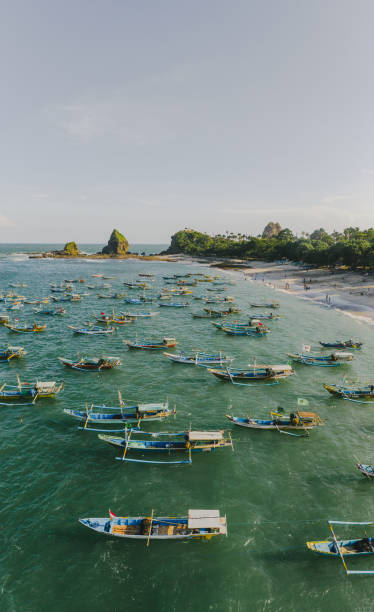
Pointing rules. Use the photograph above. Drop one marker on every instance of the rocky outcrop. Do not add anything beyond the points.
(70, 248)
(117, 244)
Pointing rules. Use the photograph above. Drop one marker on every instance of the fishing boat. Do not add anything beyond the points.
(203, 524)
(206, 315)
(199, 358)
(22, 328)
(50, 311)
(186, 442)
(237, 324)
(174, 304)
(259, 330)
(342, 344)
(266, 317)
(139, 315)
(93, 364)
(265, 305)
(367, 470)
(109, 415)
(92, 330)
(345, 548)
(29, 390)
(253, 372)
(333, 360)
(151, 345)
(279, 421)
(133, 301)
(231, 310)
(352, 391)
(11, 352)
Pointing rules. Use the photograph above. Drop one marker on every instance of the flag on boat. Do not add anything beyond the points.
(302, 402)
(111, 514)
(306, 348)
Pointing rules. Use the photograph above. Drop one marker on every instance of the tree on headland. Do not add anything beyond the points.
(271, 229)
(352, 247)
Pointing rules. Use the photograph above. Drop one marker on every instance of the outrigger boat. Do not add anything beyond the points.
(345, 548)
(207, 315)
(95, 364)
(231, 310)
(11, 352)
(50, 311)
(266, 317)
(151, 344)
(333, 360)
(109, 415)
(264, 305)
(253, 372)
(34, 328)
(249, 331)
(351, 391)
(237, 325)
(174, 304)
(342, 344)
(203, 524)
(188, 442)
(29, 390)
(139, 315)
(199, 358)
(93, 330)
(280, 422)
(367, 470)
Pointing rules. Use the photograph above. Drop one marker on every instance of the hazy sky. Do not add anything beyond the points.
(151, 116)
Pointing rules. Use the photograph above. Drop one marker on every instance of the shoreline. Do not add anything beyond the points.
(351, 293)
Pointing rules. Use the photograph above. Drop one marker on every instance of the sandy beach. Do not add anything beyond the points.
(344, 290)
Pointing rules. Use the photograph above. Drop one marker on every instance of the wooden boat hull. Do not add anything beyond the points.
(269, 424)
(128, 414)
(155, 528)
(342, 345)
(257, 373)
(199, 360)
(347, 547)
(352, 393)
(367, 470)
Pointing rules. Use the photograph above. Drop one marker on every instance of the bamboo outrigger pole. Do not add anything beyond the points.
(150, 528)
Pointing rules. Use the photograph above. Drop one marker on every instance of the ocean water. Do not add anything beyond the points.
(277, 491)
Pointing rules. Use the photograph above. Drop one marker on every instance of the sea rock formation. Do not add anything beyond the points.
(117, 244)
(70, 248)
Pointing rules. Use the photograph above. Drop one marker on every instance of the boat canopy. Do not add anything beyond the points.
(204, 519)
(279, 368)
(194, 436)
(45, 386)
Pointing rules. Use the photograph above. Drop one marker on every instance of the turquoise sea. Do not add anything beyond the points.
(277, 491)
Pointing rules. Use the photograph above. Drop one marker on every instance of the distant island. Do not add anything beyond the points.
(353, 247)
(117, 248)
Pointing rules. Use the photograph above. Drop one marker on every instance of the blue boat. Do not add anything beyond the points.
(173, 304)
(253, 372)
(11, 352)
(341, 549)
(250, 331)
(200, 358)
(186, 442)
(341, 344)
(153, 345)
(109, 415)
(93, 330)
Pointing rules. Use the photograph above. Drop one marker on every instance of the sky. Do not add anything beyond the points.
(152, 116)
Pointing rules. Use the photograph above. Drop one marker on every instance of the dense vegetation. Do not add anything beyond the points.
(353, 247)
